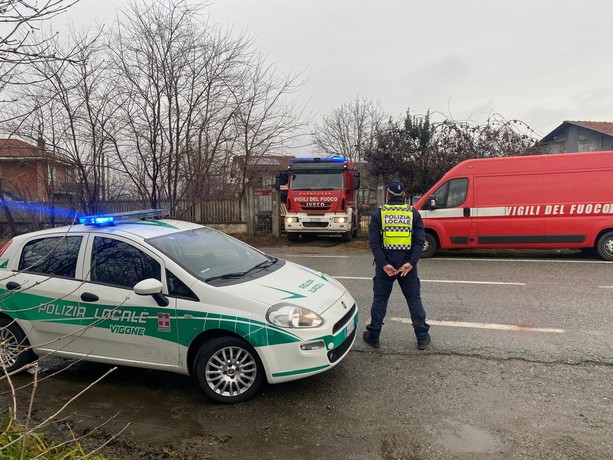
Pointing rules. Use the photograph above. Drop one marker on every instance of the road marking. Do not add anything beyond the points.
(500, 327)
(317, 256)
(436, 281)
(606, 287)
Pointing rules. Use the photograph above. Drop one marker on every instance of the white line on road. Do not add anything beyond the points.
(606, 287)
(502, 327)
(315, 256)
(436, 281)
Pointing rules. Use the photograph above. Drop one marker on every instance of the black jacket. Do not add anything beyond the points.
(396, 258)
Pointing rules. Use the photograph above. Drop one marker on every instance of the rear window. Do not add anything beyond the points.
(55, 256)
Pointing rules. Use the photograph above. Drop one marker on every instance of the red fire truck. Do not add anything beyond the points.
(321, 197)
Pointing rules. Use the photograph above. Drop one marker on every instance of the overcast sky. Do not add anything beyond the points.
(539, 61)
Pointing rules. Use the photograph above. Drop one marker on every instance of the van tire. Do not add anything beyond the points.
(604, 246)
(430, 247)
(228, 370)
(16, 352)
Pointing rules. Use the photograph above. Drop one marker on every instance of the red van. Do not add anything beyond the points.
(541, 201)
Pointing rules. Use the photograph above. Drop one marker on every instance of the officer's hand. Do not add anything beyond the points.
(390, 270)
(405, 269)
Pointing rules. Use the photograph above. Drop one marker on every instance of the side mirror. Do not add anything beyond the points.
(281, 178)
(356, 179)
(432, 203)
(152, 287)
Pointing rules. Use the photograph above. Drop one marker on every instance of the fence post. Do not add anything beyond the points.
(381, 195)
(276, 222)
(251, 224)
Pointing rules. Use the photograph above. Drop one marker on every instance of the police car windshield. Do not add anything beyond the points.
(209, 254)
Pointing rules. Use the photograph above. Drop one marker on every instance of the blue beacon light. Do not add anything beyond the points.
(110, 219)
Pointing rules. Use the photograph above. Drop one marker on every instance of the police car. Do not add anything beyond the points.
(140, 290)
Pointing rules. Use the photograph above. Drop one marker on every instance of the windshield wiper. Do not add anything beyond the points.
(265, 264)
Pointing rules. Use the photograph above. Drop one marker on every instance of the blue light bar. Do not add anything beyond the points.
(110, 219)
(333, 159)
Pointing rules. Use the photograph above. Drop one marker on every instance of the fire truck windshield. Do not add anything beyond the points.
(310, 180)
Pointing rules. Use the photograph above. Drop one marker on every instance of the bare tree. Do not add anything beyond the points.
(171, 70)
(192, 97)
(19, 43)
(264, 120)
(71, 108)
(350, 129)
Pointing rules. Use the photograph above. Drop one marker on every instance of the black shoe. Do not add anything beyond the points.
(370, 341)
(422, 344)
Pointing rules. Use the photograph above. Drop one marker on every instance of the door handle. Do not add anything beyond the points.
(89, 297)
(13, 286)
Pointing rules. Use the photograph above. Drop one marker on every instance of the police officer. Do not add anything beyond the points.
(396, 237)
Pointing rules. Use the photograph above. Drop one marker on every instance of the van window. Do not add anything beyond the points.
(452, 193)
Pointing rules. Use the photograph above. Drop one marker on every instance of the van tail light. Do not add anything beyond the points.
(5, 247)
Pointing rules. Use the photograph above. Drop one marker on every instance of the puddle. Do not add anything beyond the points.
(465, 438)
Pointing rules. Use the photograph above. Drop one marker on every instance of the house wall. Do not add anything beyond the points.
(21, 179)
(29, 180)
(578, 139)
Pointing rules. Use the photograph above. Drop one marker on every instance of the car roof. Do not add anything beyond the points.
(140, 228)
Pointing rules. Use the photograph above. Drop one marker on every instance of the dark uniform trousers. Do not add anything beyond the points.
(382, 289)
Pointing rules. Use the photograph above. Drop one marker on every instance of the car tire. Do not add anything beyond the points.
(228, 370)
(604, 246)
(430, 246)
(15, 350)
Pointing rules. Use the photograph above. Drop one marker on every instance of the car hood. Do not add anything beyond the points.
(294, 284)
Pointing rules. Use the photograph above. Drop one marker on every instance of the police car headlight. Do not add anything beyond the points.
(340, 220)
(292, 316)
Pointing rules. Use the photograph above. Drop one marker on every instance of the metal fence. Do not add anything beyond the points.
(20, 216)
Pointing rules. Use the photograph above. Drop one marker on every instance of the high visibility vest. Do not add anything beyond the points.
(397, 226)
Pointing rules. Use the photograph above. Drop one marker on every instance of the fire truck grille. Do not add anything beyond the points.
(319, 206)
(314, 224)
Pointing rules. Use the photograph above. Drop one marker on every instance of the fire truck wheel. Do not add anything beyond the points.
(430, 246)
(14, 349)
(604, 246)
(293, 236)
(346, 236)
(228, 370)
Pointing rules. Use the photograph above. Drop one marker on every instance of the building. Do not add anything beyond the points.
(260, 171)
(31, 173)
(579, 136)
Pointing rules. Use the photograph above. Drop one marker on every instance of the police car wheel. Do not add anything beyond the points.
(228, 370)
(14, 347)
(605, 246)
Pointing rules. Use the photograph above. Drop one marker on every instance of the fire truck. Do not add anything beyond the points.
(320, 197)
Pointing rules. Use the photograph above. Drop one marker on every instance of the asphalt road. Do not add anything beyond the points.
(520, 367)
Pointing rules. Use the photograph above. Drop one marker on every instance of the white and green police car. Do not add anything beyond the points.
(133, 289)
